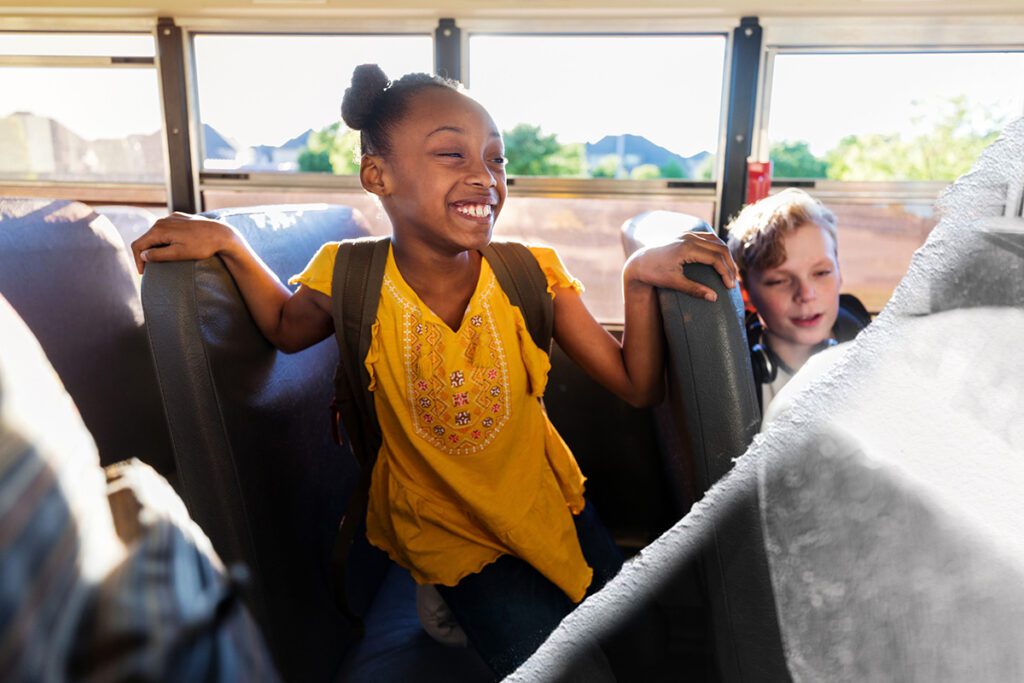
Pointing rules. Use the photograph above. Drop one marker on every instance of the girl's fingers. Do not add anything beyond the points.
(165, 252)
(711, 253)
(698, 291)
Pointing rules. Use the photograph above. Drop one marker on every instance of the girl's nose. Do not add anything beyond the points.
(481, 175)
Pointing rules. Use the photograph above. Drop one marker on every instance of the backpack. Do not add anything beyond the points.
(355, 295)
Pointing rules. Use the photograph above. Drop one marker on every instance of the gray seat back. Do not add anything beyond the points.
(710, 417)
(68, 274)
(260, 472)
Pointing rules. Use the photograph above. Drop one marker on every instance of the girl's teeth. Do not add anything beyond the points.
(476, 210)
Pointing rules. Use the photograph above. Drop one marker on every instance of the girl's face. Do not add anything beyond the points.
(444, 179)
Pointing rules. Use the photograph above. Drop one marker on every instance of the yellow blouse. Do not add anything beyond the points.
(470, 467)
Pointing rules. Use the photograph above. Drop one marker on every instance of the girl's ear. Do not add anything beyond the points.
(372, 174)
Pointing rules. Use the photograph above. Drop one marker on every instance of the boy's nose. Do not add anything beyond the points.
(805, 291)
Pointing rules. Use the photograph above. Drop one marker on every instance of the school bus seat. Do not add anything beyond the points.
(130, 221)
(68, 274)
(260, 471)
(709, 418)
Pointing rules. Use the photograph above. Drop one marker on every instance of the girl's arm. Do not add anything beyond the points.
(291, 322)
(633, 370)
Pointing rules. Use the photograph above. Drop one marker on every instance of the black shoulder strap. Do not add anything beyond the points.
(523, 281)
(355, 295)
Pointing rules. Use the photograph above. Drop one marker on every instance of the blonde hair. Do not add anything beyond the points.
(756, 235)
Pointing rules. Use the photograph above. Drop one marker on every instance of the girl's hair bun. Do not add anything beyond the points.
(368, 83)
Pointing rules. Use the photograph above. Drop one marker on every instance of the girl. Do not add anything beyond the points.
(473, 490)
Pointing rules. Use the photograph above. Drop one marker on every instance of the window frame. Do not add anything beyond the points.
(613, 187)
(524, 185)
(928, 35)
(99, 190)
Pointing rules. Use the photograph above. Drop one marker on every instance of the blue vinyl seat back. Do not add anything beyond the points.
(250, 425)
(71, 278)
(709, 418)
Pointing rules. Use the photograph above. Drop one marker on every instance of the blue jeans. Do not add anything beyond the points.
(508, 608)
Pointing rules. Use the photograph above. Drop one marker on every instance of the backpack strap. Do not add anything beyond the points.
(526, 287)
(355, 295)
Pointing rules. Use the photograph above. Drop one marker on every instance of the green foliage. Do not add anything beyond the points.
(530, 152)
(607, 167)
(706, 170)
(331, 150)
(944, 152)
(795, 160)
(645, 172)
(672, 169)
(315, 162)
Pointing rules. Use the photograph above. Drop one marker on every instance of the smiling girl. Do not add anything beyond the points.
(473, 489)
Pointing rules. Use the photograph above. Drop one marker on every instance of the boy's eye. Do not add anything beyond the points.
(454, 155)
(500, 160)
(773, 283)
(822, 273)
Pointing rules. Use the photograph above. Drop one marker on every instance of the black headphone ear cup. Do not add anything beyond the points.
(765, 371)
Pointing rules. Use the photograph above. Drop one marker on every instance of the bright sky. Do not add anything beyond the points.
(267, 89)
(821, 98)
(665, 88)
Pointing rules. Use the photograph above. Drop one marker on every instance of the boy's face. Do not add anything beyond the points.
(798, 300)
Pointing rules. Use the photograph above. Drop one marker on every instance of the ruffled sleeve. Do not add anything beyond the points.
(554, 270)
(319, 272)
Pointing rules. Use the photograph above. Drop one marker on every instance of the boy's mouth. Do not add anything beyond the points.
(807, 321)
(473, 210)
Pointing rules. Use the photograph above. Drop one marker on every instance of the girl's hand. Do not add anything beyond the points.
(663, 266)
(182, 237)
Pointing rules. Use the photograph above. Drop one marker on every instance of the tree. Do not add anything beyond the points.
(706, 170)
(331, 150)
(530, 152)
(795, 160)
(645, 172)
(945, 152)
(672, 169)
(607, 167)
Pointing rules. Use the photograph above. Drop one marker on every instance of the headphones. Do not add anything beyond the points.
(764, 361)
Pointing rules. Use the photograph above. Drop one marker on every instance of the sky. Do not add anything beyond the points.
(267, 89)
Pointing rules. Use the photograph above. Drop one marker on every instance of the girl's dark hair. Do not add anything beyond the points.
(373, 104)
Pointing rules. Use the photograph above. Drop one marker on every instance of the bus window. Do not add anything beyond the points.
(597, 129)
(879, 136)
(271, 103)
(81, 117)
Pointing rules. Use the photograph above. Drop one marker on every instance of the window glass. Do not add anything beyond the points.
(889, 117)
(871, 271)
(626, 106)
(81, 124)
(272, 103)
(78, 44)
(584, 231)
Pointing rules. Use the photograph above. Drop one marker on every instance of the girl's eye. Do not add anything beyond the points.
(500, 160)
(454, 155)
(823, 273)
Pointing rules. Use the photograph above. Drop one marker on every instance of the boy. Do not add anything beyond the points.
(786, 250)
